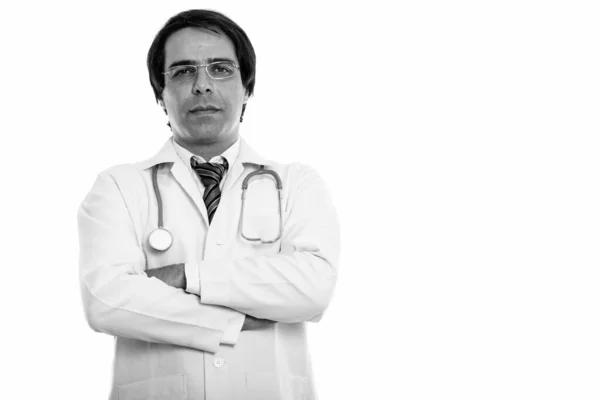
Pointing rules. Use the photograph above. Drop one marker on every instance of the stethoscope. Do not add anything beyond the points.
(161, 239)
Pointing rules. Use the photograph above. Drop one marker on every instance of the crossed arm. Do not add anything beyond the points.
(174, 276)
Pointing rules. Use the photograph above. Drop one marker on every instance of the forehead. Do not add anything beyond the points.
(198, 44)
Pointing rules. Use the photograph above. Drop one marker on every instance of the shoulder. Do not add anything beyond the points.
(124, 169)
(127, 178)
(302, 174)
(125, 172)
(134, 170)
(298, 177)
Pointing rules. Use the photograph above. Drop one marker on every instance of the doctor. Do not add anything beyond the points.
(215, 315)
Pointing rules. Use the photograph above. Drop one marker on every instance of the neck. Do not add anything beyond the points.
(206, 150)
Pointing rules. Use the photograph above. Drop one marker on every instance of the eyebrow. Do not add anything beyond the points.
(195, 62)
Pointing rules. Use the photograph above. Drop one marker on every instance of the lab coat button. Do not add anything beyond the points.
(218, 362)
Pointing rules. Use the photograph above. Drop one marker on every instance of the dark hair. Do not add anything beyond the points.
(202, 19)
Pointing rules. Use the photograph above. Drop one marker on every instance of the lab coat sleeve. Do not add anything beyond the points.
(120, 299)
(295, 284)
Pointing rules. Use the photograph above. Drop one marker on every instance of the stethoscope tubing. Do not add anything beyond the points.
(158, 196)
(262, 171)
(275, 175)
(166, 239)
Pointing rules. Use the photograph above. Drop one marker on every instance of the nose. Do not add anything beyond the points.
(202, 83)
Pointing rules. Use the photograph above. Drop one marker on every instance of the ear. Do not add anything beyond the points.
(246, 97)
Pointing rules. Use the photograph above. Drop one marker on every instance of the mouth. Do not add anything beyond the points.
(204, 109)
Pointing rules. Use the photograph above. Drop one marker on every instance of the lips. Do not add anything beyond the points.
(204, 108)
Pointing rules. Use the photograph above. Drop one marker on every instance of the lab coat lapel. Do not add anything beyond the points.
(186, 181)
(233, 175)
(246, 156)
(181, 174)
(231, 200)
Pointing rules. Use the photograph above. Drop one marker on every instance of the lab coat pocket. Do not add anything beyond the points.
(163, 388)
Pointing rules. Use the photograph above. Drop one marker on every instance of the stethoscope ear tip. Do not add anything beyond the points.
(160, 239)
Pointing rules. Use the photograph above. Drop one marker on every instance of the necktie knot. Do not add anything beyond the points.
(209, 173)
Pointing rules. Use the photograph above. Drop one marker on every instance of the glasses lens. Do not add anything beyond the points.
(182, 73)
(221, 70)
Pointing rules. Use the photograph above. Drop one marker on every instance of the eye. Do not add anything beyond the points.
(222, 70)
(183, 72)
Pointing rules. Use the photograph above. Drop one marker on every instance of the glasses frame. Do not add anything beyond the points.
(198, 66)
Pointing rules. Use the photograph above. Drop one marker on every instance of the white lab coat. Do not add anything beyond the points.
(171, 344)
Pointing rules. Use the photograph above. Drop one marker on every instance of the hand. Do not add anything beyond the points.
(253, 324)
(172, 275)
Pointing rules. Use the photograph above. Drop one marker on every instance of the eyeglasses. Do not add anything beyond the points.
(215, 70)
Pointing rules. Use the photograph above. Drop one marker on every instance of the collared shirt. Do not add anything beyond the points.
(231, 155)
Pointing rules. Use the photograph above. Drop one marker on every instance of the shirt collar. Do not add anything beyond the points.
(169, 154)
(231, 154)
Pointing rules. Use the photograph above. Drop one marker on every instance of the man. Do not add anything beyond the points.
(200, 308)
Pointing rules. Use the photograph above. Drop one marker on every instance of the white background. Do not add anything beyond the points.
(460, 143)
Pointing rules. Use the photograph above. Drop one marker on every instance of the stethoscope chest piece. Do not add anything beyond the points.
(160, 239)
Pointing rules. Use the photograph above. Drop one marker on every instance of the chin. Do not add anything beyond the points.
(198, 134)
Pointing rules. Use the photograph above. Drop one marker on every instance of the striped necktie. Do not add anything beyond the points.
(210, 174)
